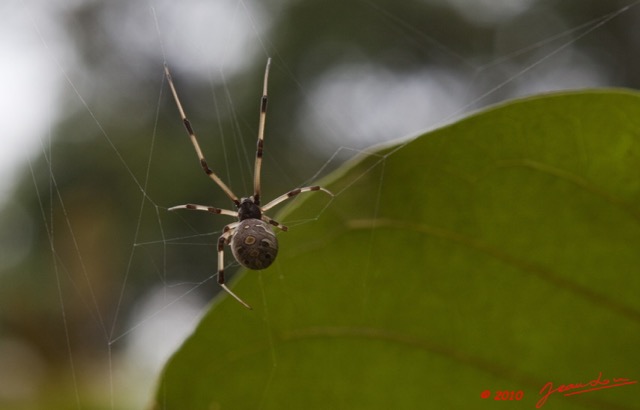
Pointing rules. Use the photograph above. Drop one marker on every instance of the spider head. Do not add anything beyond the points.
(248, 209)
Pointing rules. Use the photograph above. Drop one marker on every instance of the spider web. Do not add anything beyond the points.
(120, 294)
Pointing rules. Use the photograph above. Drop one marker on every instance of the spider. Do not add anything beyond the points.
(253, 243)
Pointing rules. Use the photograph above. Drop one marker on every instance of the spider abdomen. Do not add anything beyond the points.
(254, 244)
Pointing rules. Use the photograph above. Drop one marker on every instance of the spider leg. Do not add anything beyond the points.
(194, 141)
(263, 118)
(274, 223)
(229, 230)
(205, 208)
(293, 193)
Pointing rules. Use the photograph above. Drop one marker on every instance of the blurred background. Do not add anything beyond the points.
(99, 283)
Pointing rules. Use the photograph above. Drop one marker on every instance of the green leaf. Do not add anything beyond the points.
(498, 253)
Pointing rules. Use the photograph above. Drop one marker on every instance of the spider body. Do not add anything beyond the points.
(253, 243)
(248, 209)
